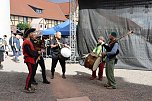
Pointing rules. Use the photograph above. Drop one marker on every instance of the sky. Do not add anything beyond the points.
(59, 1)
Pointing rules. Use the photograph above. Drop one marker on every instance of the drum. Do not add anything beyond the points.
(65, 52)
(92, 61)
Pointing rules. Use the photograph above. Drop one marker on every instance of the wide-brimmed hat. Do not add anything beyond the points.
(27, 31)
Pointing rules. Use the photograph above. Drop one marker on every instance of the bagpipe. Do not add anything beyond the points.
(39, 46)
(106, 44)
(39, 43)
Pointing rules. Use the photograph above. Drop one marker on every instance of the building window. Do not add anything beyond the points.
(39, 11)
(40, 26)
(15, 20)
(45, 26)
(55, 22)
(25, 19)
(21, 19)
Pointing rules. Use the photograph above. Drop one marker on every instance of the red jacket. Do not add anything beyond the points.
(27, 57)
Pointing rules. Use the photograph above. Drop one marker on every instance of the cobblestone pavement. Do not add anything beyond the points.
(133, 85)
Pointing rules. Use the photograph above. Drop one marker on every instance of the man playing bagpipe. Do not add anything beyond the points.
(38, 45)
(112, 50)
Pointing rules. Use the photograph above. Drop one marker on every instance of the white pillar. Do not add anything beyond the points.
(5, 18)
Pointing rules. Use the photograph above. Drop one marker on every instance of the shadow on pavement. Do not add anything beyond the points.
(126, 91)
(13, 83)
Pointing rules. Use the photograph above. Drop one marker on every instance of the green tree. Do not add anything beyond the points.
(23, 26)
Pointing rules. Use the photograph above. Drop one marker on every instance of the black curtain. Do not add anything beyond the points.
(100, 17)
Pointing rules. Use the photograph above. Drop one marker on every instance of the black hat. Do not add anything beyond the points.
(27, 31)
(114, 34)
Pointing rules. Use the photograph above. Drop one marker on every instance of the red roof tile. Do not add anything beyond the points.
(65, 7)
(50, 10)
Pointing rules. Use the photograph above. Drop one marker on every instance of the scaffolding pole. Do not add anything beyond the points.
(73, 23)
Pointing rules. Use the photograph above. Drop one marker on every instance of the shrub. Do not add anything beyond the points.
(23, 26)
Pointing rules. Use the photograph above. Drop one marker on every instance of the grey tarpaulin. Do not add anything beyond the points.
(99, 17)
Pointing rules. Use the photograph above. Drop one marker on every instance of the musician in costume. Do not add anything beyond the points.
(29, 58)
(98, 50)
(57, 43)
(112, 50)
(39, 60)
(2, 50)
